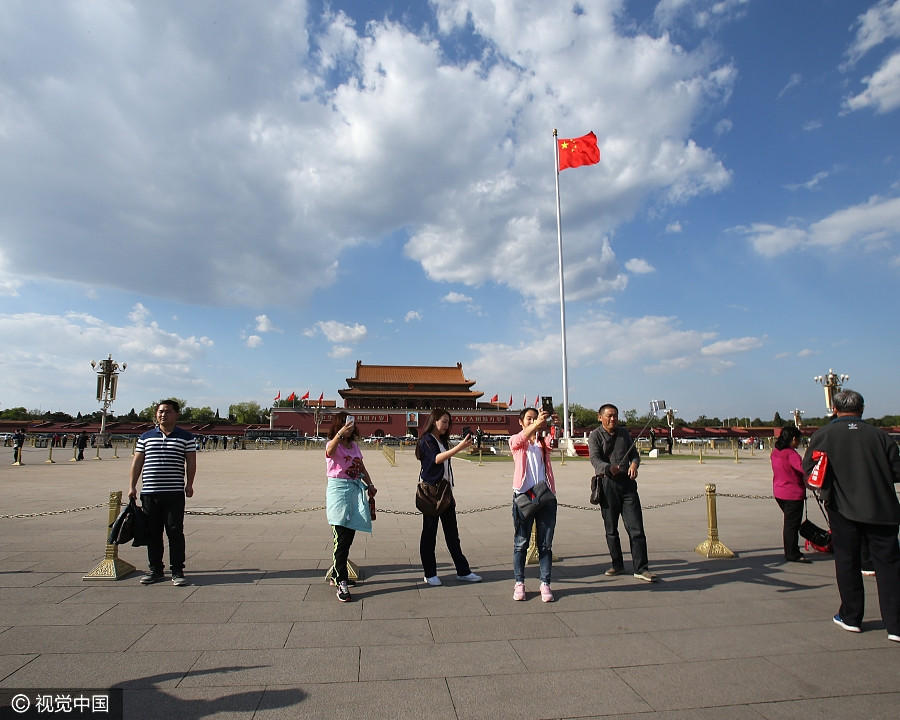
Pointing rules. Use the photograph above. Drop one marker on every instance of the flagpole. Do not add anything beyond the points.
(562, 295)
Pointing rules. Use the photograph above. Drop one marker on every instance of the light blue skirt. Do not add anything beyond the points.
(347, 504)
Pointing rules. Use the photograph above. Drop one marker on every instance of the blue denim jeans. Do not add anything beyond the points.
(546, 524)
(623, 500)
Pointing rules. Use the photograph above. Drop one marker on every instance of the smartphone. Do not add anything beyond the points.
(547, 404)
(351, 420)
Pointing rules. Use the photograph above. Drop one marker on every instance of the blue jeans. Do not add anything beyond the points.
(546, 524)
(622, 500)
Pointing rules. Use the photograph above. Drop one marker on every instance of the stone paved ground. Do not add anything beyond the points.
(258, 634)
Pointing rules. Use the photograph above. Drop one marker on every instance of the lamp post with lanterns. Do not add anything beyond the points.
(832, 382)
(107, 382)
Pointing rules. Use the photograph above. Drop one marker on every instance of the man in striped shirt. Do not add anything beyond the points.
(165, 460)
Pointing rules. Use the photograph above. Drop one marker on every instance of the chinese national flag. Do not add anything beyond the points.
(321, 395)
(305, 395)
(277, 397)
(575, 152)
(537, 399)
(494, 399)
(509, 404)
(292, 397)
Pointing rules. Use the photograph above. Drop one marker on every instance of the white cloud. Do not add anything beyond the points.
(138, 314)
(794, 80)
(879, 23)
(639, 266)
(339, 351)
(883, 89)
(263, 132)
(48, 355)
(412, 315)
(810, 184)
(264, 324)
(811, 125)
(699, 13)
(455, 297)
(867, 223)
(254, 341)
(336, 332)
(723, 127)
(729, 347)
(674, 227)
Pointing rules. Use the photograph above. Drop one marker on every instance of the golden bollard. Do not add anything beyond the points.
(97, 456)
(701, 453)
(712, 547)
(111, 567)
(533, 558)
(115, 451)
(74, 457)
(50, 454)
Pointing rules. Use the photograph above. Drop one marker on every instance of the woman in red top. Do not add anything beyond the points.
(789, 490)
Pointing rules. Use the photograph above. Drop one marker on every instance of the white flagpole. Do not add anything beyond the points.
(562, 294)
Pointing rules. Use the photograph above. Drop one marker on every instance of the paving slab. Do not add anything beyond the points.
(398, 662)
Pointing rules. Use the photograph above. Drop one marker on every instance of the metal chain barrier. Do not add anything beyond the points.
(52, 512)
(386, 511)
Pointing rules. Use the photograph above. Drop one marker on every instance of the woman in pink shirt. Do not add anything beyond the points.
(789, 489)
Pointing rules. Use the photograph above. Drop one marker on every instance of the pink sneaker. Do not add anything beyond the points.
(546, 593)
(519, 591)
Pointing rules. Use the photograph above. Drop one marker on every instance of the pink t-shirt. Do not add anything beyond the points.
(341, 460)
(787, 475)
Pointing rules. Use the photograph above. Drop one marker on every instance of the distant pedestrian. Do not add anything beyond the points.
(18, 445)
(861, 500)
(789, 490)
(81, 442)
(434, 452)
(165, 462)
(65, 439)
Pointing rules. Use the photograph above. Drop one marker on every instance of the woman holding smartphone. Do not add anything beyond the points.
(531, 471)
(346, 504)
(434, 452)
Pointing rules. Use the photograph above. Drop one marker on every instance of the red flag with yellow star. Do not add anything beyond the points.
(575, 152)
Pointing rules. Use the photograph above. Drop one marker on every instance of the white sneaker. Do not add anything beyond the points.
(471, 577)
(434, 580)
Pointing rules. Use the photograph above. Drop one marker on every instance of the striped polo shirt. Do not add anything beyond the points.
(164, 459)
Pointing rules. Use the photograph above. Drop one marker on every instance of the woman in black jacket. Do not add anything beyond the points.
(434, 452)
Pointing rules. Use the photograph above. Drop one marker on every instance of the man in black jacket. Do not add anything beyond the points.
(863, 468)
(616, 459)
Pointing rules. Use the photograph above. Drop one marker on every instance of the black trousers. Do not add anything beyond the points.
(623, 501)
(343, 539)
(428, 541)
(846, 537)
(165, 510)
(790, 535)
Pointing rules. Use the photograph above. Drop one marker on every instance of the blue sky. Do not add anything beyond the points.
(240, 199)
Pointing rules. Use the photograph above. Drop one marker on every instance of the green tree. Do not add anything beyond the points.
(778, 421)
(149, 412)
(203, 415)
(631, 417)
(16, 413)
(245, 412)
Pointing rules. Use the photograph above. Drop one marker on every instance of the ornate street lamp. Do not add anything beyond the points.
(107, 381)
(797, 413)
(832, 383)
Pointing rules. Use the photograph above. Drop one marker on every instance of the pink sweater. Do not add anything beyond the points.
(787, 475)
(518, 444)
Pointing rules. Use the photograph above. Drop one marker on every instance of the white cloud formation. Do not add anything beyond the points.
(639, 266)
(810, 184)
(723, 127)
(869, 222)
(412, 315)
(240, 150)
(699, 13)
(254, 341)
(793, 81)
(879, 23)
(455, 297)
(674, 227)
(48, 355)
(729, 347)
(264, 324)
(138, 314)
(339, 351)
(811, 125)
(336, 332)
(883, 89)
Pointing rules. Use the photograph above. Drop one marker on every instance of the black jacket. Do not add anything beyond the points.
(432, 471)
(606, 450)
(863, 467)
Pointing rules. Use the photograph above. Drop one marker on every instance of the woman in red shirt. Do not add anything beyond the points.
(789, 490)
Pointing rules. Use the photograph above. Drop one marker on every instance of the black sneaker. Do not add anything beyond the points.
(178, 580)
(151, 577)
(343, 593)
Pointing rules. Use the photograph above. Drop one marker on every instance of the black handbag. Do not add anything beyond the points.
(434, 499)
(598, 497)
(529, 504)
(129, 526)
(818, 537)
